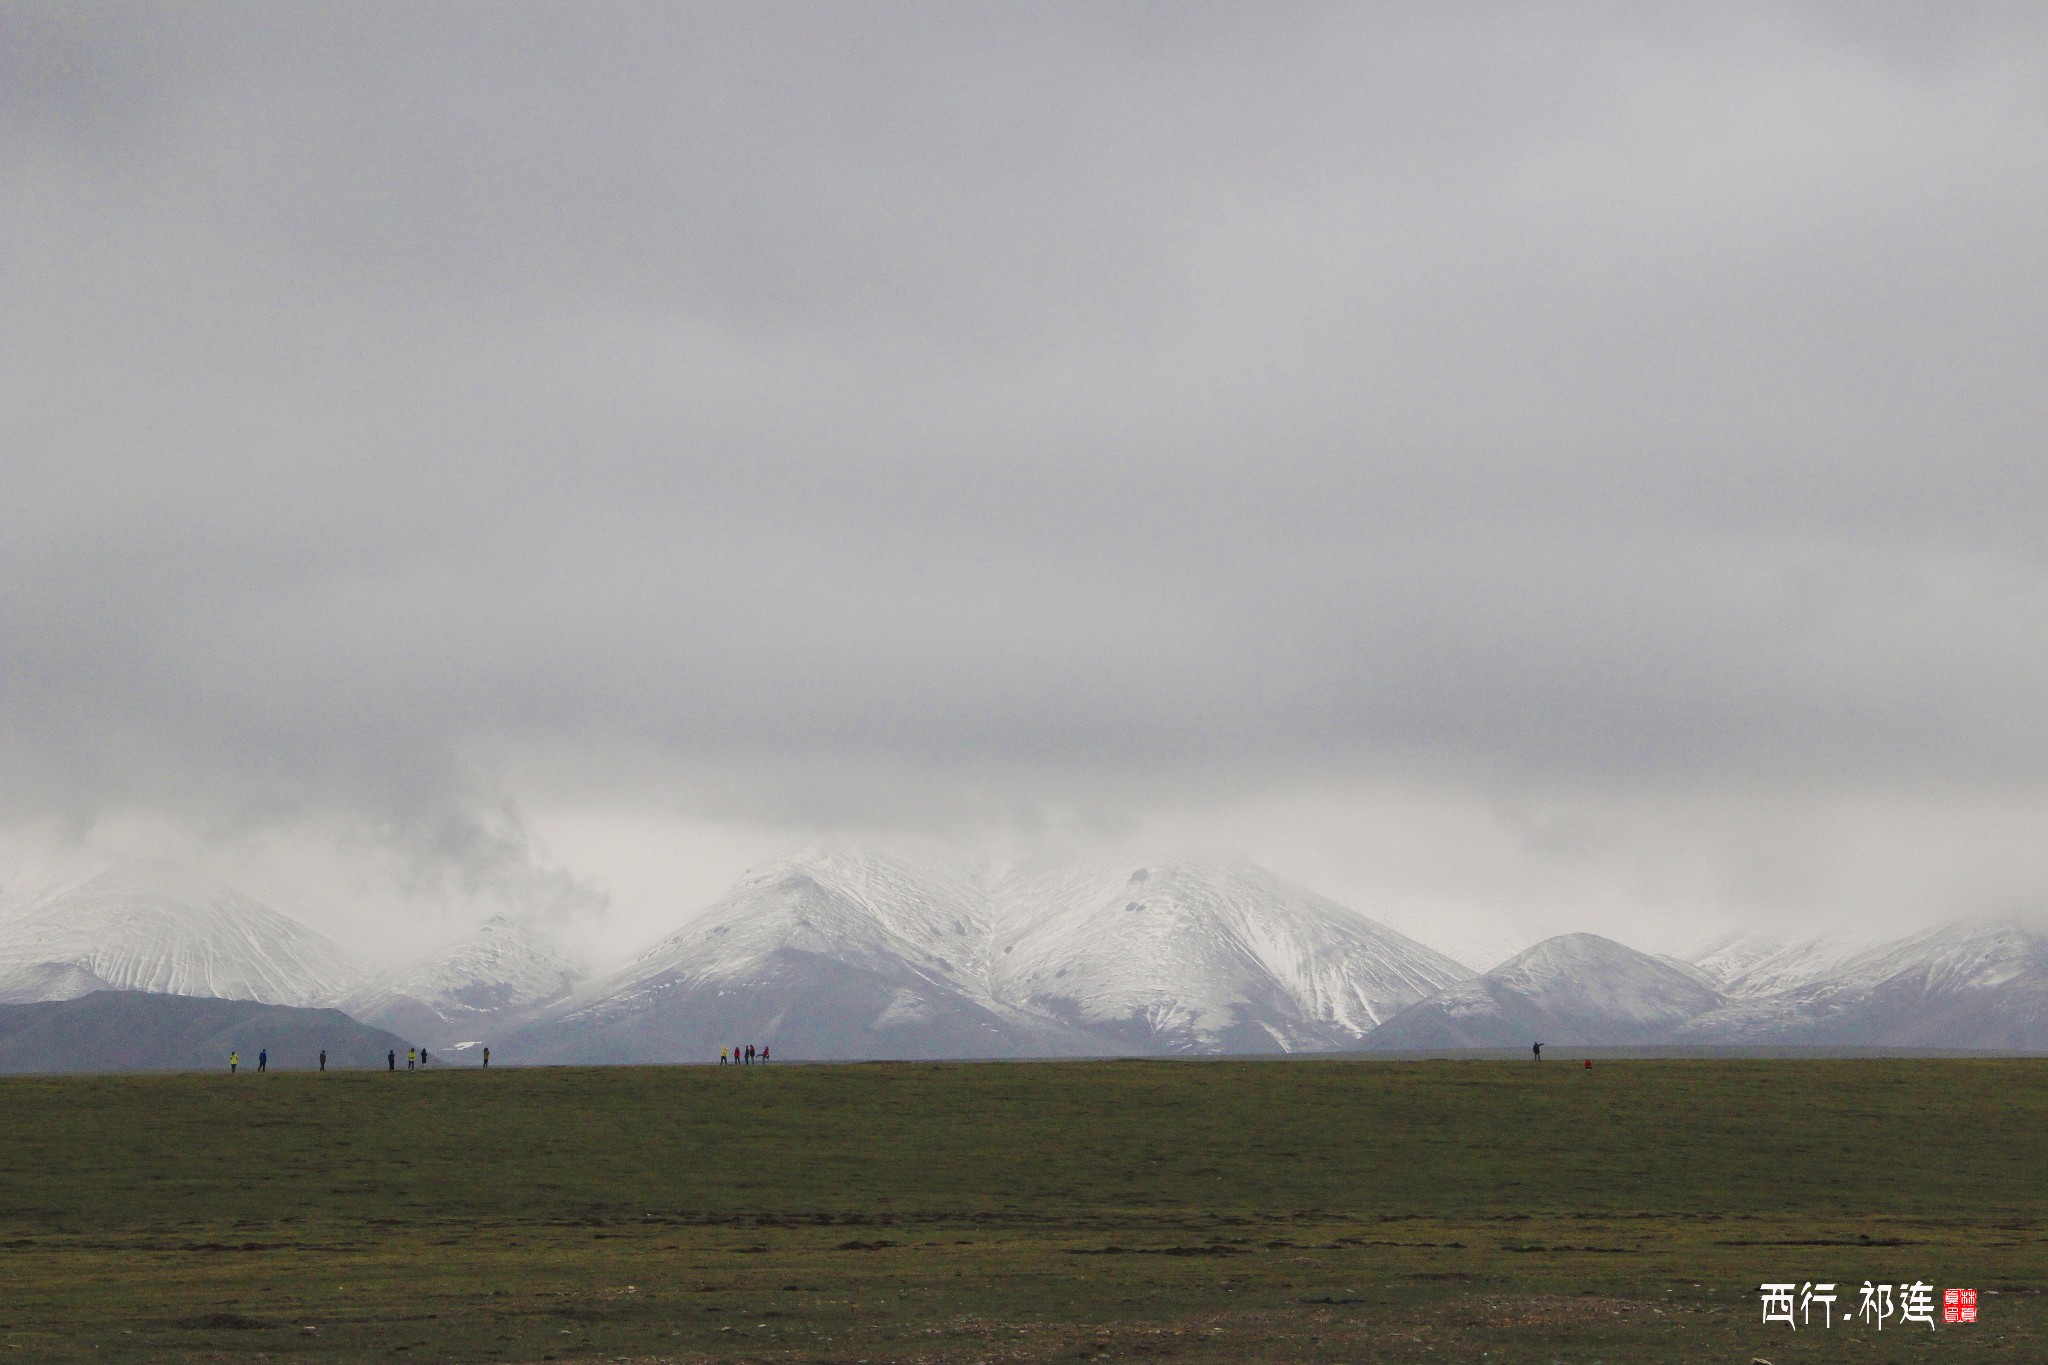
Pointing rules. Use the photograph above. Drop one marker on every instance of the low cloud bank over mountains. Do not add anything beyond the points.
(849, 953)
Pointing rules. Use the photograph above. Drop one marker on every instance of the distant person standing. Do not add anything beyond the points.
(487, 1059)
(323, 1059)
(412, 1056)
(423, 1059)
(234, 1060)
(750, 1054)
(391, 1059)
(721, 1056)
(263, 1059)
(1537, 1048)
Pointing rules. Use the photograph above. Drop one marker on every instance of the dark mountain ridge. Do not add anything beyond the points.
(140, 1031)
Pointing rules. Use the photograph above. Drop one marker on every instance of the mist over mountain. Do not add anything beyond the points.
(490, 981)
(1750, 963)
(1578, 466)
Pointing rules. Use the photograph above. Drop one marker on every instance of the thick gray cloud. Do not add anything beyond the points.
(794, 411)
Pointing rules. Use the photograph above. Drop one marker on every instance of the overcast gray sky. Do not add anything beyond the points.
(1560, 460)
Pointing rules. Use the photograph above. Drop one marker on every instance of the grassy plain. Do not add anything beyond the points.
(1215, 1211)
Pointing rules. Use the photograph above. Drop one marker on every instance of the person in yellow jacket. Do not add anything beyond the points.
(234, 1060)
(412, 1054)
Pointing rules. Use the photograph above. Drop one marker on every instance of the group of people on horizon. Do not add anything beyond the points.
(737, 1057)
(415, 1059)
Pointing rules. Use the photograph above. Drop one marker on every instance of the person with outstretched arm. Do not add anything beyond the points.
(1538, 1049)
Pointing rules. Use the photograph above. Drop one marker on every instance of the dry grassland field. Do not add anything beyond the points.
(1213, 1211)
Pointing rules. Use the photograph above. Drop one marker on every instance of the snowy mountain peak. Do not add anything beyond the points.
(832, 952)
(1970, 956)
(1599, 973)
(1962, 985)
(168, 930)
(861, 908)
(1574, 988)
(1750, 963)
(500, 966)
(468, 991)
(1197, 955)
(1566, 957)
(1728, 956)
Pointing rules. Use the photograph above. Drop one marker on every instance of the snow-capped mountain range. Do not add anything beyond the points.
(1965, 985)
(1749, 964)
(850, 953)
(1575, 988)
(1201, 957)
(169, 930)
